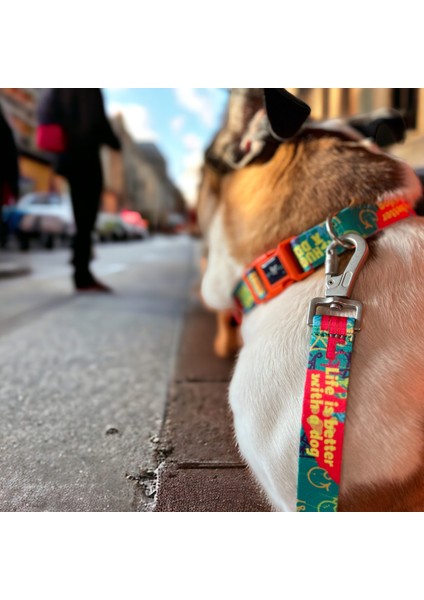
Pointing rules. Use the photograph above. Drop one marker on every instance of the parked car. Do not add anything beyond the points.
(137, 227)
(46, 216)
(127, 225)
(109, 227)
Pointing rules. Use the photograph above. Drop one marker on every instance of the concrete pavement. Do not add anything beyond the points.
(85, 378)
(116, 402)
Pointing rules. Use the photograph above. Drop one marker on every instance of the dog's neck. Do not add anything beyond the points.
(304, 183)
(296, 258)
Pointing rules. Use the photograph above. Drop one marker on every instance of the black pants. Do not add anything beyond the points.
(85, 181)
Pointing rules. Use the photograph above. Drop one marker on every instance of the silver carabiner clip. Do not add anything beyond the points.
(342, 285)
(339, 287)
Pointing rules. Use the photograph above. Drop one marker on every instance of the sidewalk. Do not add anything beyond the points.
(11, 267)
(8, 270)
(201, 469)
(84, 378)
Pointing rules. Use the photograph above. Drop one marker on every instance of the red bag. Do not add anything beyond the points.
(51, 138)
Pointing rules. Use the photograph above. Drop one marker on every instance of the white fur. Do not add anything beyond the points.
(383, 439)
(223, 271)
(386, 405)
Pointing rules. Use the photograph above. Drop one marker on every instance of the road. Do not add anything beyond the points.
(84, 378)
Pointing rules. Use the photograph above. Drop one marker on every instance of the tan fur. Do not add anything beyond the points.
(266, 203)
(261, 208)
(405, 497)
(227, 340)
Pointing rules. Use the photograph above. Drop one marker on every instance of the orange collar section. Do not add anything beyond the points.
(296, 258)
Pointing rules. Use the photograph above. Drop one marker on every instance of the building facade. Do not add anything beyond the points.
(35, 166)
(136, 178)
(329, 103)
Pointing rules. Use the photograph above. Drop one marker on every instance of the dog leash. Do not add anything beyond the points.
(327, 380)
(331, 345)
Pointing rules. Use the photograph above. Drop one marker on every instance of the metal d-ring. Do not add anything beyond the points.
(333, 234)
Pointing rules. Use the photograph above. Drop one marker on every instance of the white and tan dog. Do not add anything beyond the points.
(309, 177)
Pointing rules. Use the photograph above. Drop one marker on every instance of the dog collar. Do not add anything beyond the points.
(297, 257)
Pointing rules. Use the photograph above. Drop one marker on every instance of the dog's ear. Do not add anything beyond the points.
(286, 113)
(384, 126)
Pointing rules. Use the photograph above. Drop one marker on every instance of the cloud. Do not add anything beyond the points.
(137, 120)
(177, 123)
(192, 142)
(188, 182)
(192, 163)
(200, 101)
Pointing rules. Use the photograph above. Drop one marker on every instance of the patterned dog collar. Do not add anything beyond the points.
(296, 258)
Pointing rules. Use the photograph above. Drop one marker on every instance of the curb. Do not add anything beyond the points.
(9, 270)
(201, 468)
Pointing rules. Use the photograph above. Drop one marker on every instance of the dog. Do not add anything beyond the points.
(316, 172)
(243, 136)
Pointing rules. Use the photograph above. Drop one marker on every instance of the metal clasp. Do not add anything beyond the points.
(339, 287)
(342, 285)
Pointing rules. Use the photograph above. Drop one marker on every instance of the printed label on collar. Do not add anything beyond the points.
(257, 285)
(244, 296)
(390, 211)
(309, 247)
(273, 270)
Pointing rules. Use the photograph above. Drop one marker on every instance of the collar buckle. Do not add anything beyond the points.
(272, 272)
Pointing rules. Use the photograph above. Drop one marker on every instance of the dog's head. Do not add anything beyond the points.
(321, 169)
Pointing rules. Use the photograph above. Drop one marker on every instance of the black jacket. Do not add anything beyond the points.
(80, 112)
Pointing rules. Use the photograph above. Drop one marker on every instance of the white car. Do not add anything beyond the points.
(49, 204)
(47, 215)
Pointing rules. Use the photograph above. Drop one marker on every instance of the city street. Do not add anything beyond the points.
(85, 377)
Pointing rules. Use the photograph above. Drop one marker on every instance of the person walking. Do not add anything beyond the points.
(80, 128)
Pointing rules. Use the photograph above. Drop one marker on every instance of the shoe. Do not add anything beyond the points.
(94, 286)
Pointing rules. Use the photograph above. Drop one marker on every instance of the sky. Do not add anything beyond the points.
(180, 121)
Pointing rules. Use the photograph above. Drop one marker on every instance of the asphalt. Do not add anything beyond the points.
(85, 379)
(116, 403)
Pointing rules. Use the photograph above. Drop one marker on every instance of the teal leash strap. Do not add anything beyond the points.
(324, 413)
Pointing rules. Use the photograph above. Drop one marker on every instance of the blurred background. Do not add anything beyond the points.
(149, 186)
(152, 184)
(340, 102)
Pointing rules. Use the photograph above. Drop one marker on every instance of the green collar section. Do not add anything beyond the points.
(365, 220)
